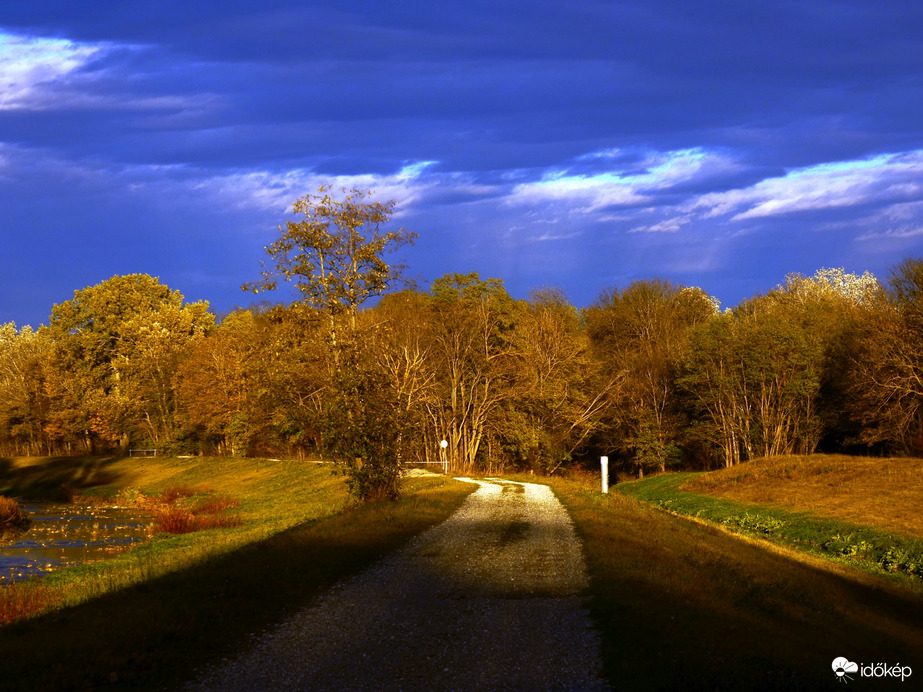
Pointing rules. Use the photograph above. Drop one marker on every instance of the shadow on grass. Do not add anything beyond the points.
(154, 635)
(43, 478)
(683, 606)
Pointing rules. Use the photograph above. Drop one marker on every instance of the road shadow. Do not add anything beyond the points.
(152, 636)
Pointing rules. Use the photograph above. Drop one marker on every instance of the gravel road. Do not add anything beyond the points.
(487, 600)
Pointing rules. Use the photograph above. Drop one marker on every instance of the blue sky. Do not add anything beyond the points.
(580, 144)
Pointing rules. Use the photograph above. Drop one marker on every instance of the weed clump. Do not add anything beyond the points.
(206, 513)
(19, 601)
(179, 491)
(11, 514)
(175, 520)
(214, 504)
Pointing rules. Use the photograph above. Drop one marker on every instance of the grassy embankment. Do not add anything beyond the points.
(686, 604)
(147, 618)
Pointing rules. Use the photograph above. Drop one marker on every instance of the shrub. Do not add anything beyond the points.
(207, 513)
(176, 520)
(847, 546)
(129, 497)
(178, 492)
(11, 515)
(757, 523)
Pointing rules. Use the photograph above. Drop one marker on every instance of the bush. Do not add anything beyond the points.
(176, 520)
(11, 515)
(207, 513)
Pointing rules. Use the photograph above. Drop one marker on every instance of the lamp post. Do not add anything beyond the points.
(445, 458)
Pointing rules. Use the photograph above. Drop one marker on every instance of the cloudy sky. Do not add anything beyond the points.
(581, 144)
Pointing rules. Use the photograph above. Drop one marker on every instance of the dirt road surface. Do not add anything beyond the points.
(487, 600)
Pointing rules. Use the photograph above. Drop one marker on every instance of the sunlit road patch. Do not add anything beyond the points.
(489, 599)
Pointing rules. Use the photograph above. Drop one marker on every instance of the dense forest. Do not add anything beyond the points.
(653, 374)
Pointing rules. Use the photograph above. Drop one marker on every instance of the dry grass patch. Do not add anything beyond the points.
(19, 601)
(861, 490)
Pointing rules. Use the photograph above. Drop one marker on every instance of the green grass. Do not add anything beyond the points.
(147, 618)
(872, 549)
(683, 605)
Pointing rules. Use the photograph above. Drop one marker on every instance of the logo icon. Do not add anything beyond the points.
(842, 666)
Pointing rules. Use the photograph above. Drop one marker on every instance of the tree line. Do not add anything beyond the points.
(654, 374)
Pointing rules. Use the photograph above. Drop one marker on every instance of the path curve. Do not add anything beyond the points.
(487, 600)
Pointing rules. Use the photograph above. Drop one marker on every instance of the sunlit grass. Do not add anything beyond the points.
(148, 617)
(860, 490)
(687, 606)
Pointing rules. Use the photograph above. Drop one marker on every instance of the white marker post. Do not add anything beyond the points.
(604, 463)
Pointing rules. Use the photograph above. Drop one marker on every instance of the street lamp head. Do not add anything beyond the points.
(444, 444)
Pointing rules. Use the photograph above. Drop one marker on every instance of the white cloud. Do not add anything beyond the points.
(29, 66)
(590, 193)
(824, 186)
(632, 185)
(896, 222)
(670, 225)
(41, 74)
(276, 192)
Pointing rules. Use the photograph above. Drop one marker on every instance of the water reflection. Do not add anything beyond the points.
(64, 535)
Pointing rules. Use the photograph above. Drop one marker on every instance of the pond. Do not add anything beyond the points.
(64, 535)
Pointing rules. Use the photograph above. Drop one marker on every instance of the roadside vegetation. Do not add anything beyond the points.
(854, 511)
(144, 619)
(372, 371)
(686, 605)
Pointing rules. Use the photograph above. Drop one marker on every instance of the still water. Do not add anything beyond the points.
(64, 535)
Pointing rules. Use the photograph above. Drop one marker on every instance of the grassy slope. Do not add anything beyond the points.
(806, 504)
(222, 585)
(684, 605)
(874, 492)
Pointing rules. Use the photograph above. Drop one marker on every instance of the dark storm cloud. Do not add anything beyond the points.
(584, 144)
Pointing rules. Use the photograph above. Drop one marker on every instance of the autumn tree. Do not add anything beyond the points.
(335, 255)
(639, 335)
(834, 307)
(254, 385)
(400, 330)
(472, 357)
(24, 402)
(888, 374)
(559, 394)
(116, 348)
(755, 375)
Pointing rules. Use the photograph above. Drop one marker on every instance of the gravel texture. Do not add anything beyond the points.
(487, 600)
